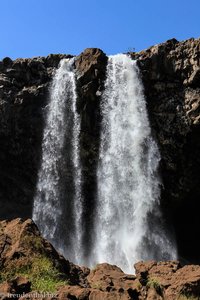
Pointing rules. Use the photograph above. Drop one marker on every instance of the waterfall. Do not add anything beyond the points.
(57, 204)
(129, 225)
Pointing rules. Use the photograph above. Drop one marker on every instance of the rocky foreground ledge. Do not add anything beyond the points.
(29, 264)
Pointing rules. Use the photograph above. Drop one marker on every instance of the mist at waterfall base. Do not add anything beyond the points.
(128, 223)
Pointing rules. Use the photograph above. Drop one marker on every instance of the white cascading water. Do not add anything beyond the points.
(129, 224)
(61, 131)
(128, 221)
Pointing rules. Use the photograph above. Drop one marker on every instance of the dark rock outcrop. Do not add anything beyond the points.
(171, 76)
(91, 68)
(170, 73)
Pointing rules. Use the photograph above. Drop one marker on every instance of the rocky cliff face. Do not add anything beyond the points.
(171, 76)
(24, 87)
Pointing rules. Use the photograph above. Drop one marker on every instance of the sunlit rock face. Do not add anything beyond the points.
(171, 78)
(23, 248)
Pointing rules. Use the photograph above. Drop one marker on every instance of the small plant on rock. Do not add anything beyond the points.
(153, 283)
(39, 270)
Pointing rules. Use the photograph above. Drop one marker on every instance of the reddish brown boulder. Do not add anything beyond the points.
(169, 279)
(22, 246)
(113, 282)
(89, 62)
(73, 292)
(107, 277)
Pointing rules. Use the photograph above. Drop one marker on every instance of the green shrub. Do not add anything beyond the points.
(39, 270)
(153, 283)
(32, 242)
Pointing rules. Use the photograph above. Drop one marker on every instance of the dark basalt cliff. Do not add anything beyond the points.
(171, 77)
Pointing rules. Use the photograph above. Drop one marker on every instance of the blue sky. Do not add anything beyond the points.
(39, 27)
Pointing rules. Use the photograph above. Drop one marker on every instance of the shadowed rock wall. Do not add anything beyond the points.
(24, 87)
(171, 76)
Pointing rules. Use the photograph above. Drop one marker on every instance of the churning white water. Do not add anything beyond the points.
(60, 167)
(129, 224)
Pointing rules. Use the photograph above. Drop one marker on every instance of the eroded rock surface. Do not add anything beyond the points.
(21, 243)
(169, 279)
(22, 246)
